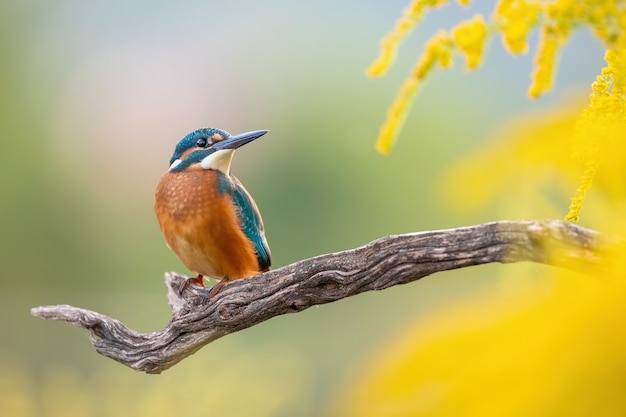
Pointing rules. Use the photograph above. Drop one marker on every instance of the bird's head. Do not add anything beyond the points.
(209, 148)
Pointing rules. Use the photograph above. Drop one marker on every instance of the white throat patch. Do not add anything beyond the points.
(219, 160)
(175, 164)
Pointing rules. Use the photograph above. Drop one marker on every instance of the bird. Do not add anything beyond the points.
(207, 217)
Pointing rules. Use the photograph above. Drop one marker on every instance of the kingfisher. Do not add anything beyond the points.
(208, 219)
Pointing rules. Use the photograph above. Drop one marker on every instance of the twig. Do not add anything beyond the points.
(380, 264)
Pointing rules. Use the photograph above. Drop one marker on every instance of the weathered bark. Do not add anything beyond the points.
(385, 262)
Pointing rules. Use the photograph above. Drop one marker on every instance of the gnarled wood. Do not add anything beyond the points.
(380, 264)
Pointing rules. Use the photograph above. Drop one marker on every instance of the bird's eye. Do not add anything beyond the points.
(202, 143)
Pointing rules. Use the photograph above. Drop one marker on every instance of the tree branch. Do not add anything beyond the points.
(380, 264)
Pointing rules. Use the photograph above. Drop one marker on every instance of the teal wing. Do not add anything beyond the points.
(252, 224)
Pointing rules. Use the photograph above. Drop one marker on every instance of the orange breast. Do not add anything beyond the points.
(201, 226)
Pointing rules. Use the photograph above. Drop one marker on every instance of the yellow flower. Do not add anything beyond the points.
(545, 63)
(576, 205)
(438, 50)
(555, 349)
(390, 43)
(396, 115)
(470, 37)
(516, 18)
(601, 126)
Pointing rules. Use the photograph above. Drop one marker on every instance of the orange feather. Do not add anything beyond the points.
(201, 225)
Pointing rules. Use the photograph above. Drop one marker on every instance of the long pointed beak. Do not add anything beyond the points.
(233, 142)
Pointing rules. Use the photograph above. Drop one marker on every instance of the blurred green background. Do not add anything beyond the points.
(94, 97)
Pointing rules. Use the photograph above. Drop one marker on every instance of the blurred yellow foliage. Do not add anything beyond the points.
(437, 51)
(537, 156)
(513, 174)
(545, 63)
(514, 19)
(470, 37)
(532, 354)
(601, 128)
(555, 347)
(411, 16)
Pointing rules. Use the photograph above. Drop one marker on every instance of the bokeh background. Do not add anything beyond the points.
(94, 97)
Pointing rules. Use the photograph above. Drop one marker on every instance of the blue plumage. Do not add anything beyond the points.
(249, 217)
(252, 224)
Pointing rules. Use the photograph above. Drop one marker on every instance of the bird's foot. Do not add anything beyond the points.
(195, 280)
(214, 290)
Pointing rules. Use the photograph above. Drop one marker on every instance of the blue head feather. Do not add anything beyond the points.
(191, 141)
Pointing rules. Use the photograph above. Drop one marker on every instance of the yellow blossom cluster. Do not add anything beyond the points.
(514, 20)
(602, 121)
(601, 125)
(469, 37)
(437, 52)
(411, 16)
(545, 63)
(544, 341)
